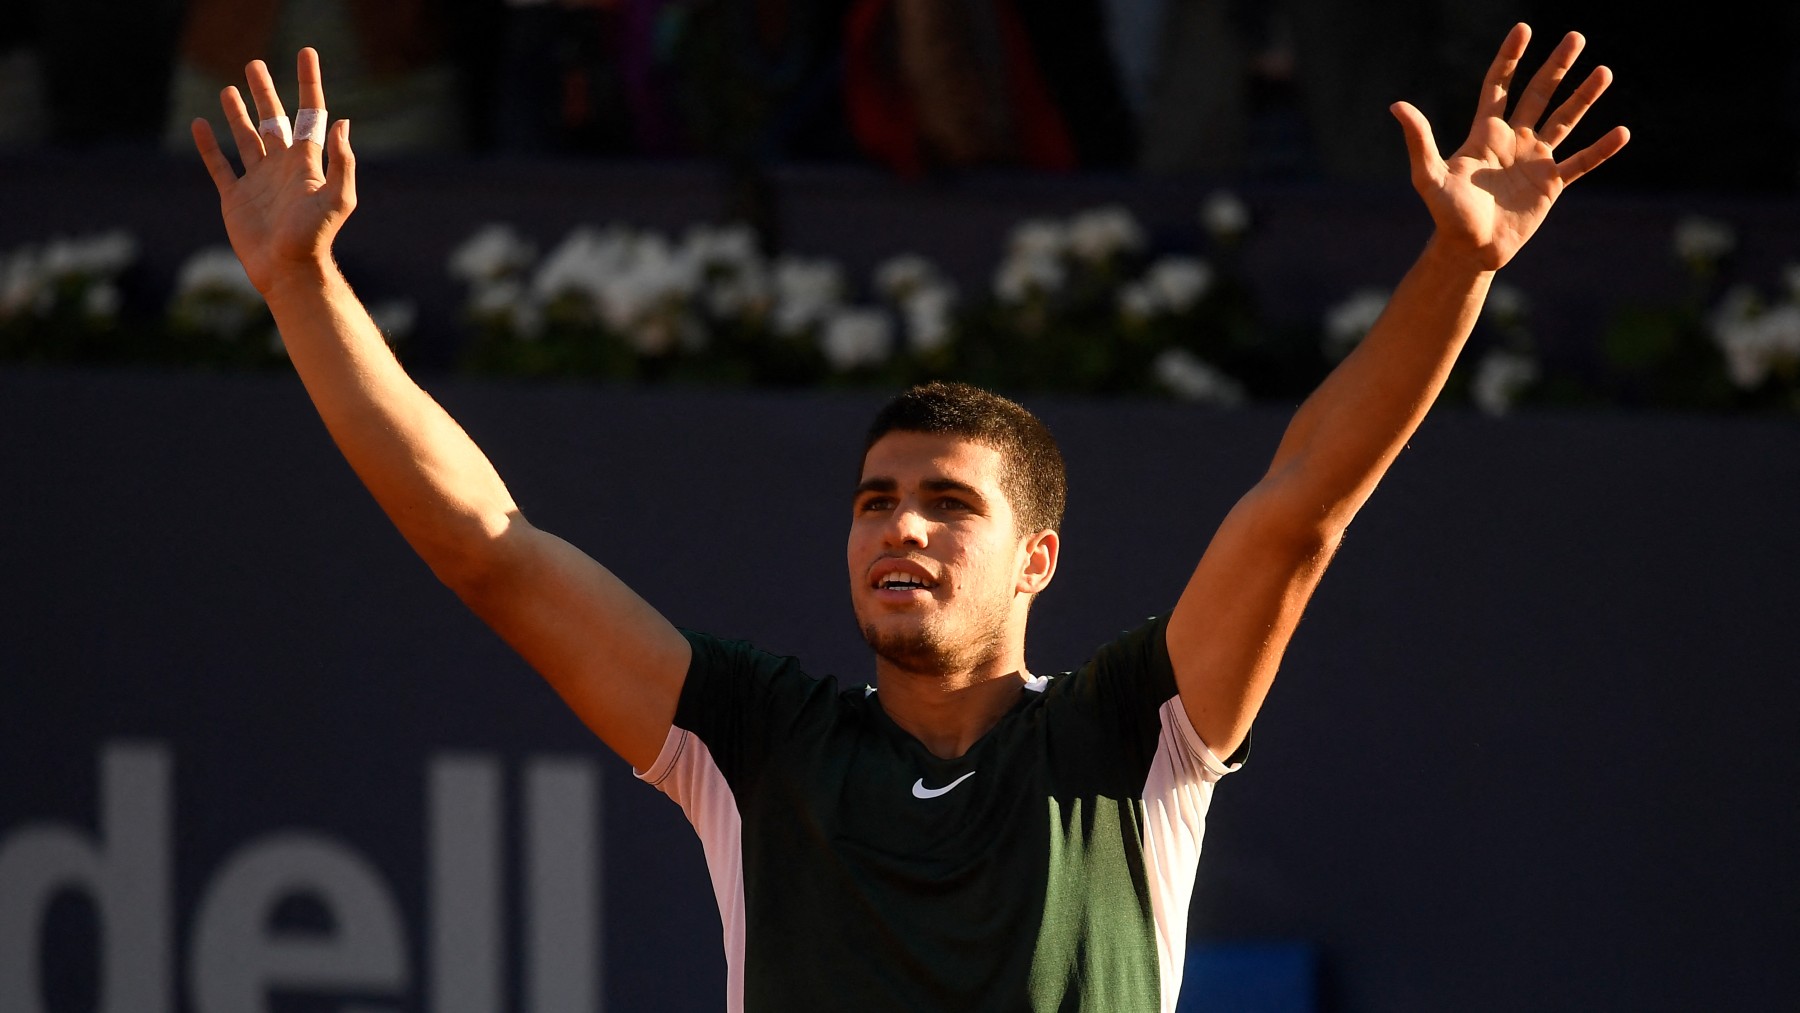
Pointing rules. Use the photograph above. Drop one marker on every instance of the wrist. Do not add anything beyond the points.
(300, 278)
(1451, 257)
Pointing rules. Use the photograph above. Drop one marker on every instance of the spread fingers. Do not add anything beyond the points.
(1567, 115)
(243, 129)
(309, 120)
(217, 166)
(1498, 82)
(312, 86)
(1536, 97)
(272, 121)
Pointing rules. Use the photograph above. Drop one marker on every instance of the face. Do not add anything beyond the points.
(939, 576)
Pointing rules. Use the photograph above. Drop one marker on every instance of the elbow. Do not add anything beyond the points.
(1310, 509)
(468, 574)
(1299, 527)
(476, 564)
(1309, 543)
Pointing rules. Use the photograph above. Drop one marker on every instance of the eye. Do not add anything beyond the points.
(874, 503)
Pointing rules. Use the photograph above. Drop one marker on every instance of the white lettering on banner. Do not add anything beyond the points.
(235, 958)
(126, 873)
(464, 855)
(561, 888)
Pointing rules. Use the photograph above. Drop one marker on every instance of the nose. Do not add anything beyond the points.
(907, 527)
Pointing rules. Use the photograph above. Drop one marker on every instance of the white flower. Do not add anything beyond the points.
(728, 267)
(1754, 344)
(494, 251)
(1737, 329)
(637, 283)
(496, 298)
(1022, 276)
(213, 295)
(1224, 216)
(1038, 237)
(1179, 282)
(214, 270)
(582, 263)
(1191, 378)
(20, 282)
(1499, 378)
(858, 336)
(1703, 240)
(1102, 233)
(106, 254)
(806, 290)
(732, 247)
(507, 304)
(1781, 332)
(1138, 302)
(97, 256)
(652, 278)
(740, 294)
(901, 275)
(1348, 321)
(928, 313)
(1746, 360)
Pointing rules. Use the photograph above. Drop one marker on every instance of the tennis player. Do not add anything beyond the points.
(963, 834)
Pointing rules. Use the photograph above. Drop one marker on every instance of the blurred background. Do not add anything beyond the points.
(1531, 748)
(1188, 198)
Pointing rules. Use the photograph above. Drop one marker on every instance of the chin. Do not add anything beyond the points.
(926, 648)
(906, 645)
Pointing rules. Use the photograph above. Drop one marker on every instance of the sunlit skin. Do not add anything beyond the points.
(949, 655)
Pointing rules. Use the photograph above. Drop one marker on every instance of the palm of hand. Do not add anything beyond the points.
(1491, 194)
(1496, 191)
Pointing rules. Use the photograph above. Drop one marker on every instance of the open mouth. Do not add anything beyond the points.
(901, 577)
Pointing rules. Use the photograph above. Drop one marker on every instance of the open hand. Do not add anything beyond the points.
(286, 209)
(1492, 193)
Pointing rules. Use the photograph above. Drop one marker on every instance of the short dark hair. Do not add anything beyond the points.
(1031, 464)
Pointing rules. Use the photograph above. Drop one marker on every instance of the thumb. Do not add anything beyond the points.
(1421, 146)
(340, 171)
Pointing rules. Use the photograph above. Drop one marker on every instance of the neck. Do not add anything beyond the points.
(949, 712)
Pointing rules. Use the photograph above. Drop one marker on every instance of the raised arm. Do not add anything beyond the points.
(1234, 620)
(615, 661)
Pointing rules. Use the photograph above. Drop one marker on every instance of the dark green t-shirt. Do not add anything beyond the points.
(1048, 868)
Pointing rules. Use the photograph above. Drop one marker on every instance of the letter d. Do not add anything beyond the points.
(126, 873)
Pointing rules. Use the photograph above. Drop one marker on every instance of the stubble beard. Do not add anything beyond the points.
(929, 649)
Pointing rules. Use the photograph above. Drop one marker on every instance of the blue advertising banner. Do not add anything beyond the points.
(1529, 749)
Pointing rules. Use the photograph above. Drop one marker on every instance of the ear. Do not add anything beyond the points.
(1037, 555)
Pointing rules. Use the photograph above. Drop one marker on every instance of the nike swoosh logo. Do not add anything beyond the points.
(920, 791)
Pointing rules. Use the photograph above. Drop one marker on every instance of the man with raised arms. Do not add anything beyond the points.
(970, 836)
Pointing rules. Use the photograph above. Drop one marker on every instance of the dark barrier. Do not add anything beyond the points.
(1531, 748)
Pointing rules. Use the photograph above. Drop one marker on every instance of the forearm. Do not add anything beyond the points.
(432, 480)
(1352, 427)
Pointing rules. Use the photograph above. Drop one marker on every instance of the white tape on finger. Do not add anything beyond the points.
(277, 126)
(309, 125)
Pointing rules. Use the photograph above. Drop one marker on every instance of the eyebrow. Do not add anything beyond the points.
(882, 483)
(875, 485)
